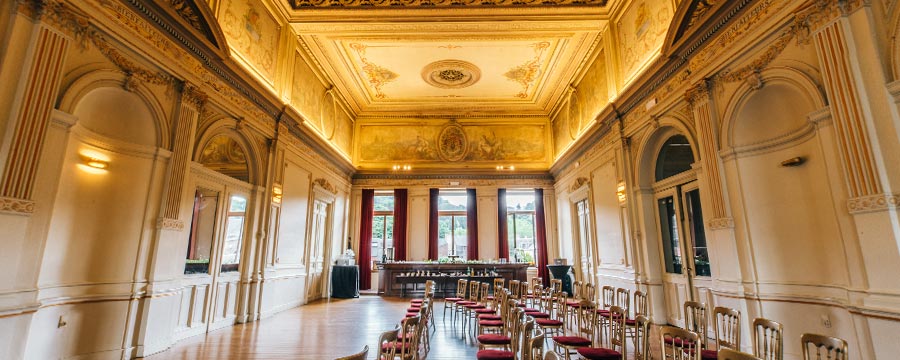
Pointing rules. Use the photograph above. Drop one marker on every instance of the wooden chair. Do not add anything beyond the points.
(767, 339)
(727, 323)
(556, 285)
(621, 299)
(616, 348)
(679, 344)
(588, 291)
(729, 354)
(556, 307)
(535, 346)
(552, 355)
(401, 343)
(639, 307)
(824, 347)
(696, 320)
(460, 296)
(520, 336)
(586, 328)
(358, 356)
(641, 337)
(505, 340)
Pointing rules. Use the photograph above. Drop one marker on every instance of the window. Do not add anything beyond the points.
(584, 229)
(452, 224)
(520, 225)
(695, 217)
(203, 225)
(674, 158)
(668, 223)
(383, 227)
(234, 233)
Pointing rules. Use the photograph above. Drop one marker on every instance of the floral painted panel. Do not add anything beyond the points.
(252, 33)
(642, 30)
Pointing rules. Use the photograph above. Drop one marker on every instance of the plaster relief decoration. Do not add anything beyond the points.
(642, 30)
(451, 74)
(452, 142)
(527, 73)
(307, 93)
(252, 34)
(376, 76)
(225, 156)
(303, 4)
(487, 144)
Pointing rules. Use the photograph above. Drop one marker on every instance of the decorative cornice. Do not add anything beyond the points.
(16, 206)
(170, 224)
(368, 4)
(873, 203)
(578, 184)
(324, 184)
(720, 223)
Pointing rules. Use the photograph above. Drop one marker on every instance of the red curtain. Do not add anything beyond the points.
(471, 225)
(365, 239)
(401, 210)
(502, 230)
(433, 223)
(540, 235)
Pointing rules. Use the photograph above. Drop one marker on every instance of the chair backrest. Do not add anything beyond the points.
(461, 288)
(514, 289)
(696, 319)
(640, 304)
(587, 319)
(513, 317)
(429, 287)
(523, 290)
(474, 288)
(526, 337)
(729, 354)
(767, 339)
(577, 288)
(556, 285)
(535, 346)
(617, 330)
(498, 284)
(679, 344)
(608, 296)
(485, 288)
(561, 306)
(358, 356)
(641, 338)
(537, 280)
(623, 298)
(588, 291)
(409, 328)
(727, 324)
(824, 347)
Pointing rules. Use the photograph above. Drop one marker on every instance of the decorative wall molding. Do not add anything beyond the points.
(16, 206)
(578, 184)
(368, 4)
(720, 223)
(169, 224)
(325, 185)
(873, 203)
(894, 89)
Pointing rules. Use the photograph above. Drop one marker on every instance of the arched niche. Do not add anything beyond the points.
(226, 155)
(118, 114)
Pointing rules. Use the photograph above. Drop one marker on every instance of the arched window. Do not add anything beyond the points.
(674, 158)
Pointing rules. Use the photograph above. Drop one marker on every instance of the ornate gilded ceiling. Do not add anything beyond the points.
(450, 62)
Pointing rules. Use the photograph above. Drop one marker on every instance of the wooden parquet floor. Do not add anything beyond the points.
(322, 330)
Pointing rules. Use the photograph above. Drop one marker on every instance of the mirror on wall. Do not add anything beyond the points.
(203, 224)
(234, 233)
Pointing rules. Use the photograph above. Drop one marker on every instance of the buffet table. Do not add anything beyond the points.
(408, 278)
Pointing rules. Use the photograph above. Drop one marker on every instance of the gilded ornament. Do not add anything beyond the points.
(452, 143)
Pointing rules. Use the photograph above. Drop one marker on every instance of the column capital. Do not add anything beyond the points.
(699, 92)
(193, 95)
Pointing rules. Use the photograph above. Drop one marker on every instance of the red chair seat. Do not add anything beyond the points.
(538, 315)
(630, 322)
(489, 298)
(572, 341)
(495, 355)
(485, 311)
(573, 303)
(491, 323)
(548, 322)
(521, 305)
(396, 345)
(530, 310)
(413, 308)
(603, 312)
(489, 317)
(464, 303)
(599, 353)
(709, 354)
(453, 299)
(678, 342)
(417, 301)
(412, 314)
(493, 339)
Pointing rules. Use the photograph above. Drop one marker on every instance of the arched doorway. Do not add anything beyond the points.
(681, 239)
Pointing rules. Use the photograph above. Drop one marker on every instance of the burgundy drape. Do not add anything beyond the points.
(540, 235)
(365, 239)
(502, 230)
(400, 219)
(433, 223)
(471, 225)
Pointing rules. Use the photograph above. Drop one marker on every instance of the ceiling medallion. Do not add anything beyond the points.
(451, 74)
(452, 143)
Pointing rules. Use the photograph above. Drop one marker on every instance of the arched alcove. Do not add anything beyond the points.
(225, 155)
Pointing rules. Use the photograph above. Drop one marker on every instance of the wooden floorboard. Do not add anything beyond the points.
(322, 330)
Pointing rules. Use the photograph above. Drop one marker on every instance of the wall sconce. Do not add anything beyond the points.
(277, 194)
(93, 161)
(505, 168)
(620, 192)
(794, 161)
(401, 167)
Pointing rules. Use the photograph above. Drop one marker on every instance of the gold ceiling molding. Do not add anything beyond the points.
(308, 4)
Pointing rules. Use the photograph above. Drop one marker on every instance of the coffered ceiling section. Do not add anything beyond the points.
(456, 62)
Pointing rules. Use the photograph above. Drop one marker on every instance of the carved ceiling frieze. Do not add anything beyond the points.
(332, 4)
